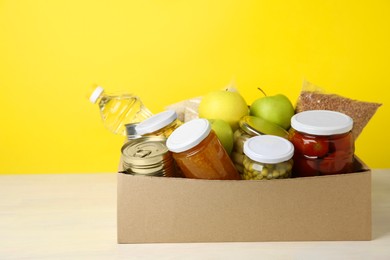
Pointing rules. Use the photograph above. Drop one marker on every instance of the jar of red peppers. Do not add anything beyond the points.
(323, 143)
(198, 152)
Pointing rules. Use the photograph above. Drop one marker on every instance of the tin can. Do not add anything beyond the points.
(148, 156)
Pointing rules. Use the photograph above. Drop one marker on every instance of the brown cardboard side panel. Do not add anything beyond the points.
(153, 209)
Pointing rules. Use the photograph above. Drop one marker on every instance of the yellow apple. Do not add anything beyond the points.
(226, 105)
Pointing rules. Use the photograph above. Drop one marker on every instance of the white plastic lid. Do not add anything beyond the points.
(321, 122)
(268, 149)
(95, 94)
(156, 122)
(188, 135)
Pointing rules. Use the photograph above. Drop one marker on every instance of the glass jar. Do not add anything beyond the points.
(198, 152)
(323, 143)
(267, 157)
(250, 126)
(161, 124)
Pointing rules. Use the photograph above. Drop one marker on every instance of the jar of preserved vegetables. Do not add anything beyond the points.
(323, 143)
(198, 152)
(161, 124)
(250, 126)
(267, 157)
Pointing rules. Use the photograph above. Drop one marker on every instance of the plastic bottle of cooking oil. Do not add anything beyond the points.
(118, 110)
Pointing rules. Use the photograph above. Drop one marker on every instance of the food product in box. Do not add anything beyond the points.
(323, 143)
(250, 126)
(198, 152)
(314, 98)
(161, 124)
(267, 157)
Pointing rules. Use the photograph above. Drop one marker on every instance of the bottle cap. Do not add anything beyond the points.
(95, 94)
(156, 122)
(188, 135)
(321, 122)
(268, 149)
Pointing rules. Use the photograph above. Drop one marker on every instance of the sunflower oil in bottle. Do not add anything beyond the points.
(118, 110)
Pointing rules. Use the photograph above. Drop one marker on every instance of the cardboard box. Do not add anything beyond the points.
(158, 209)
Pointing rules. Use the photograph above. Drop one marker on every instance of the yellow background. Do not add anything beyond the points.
(52, 52)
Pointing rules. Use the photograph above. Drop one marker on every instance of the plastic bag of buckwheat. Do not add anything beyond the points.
(313, 97)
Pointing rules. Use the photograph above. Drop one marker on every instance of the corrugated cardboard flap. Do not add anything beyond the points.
(156, 209)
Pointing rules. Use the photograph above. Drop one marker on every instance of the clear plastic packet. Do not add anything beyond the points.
(186, 110)
(313, 97)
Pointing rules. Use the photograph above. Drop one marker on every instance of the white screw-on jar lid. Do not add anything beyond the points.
(95, 94)
(268, 149)
(188, 135)
(156, 122)
(321, 122)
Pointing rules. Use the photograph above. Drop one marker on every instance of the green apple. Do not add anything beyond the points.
(226, 105)
(277, 109)
(224, 133)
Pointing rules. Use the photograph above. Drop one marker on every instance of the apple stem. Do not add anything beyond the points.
(262, 91)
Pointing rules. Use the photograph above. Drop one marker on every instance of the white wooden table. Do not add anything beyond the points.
(73, 216)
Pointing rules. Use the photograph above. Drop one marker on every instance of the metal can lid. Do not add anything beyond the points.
(322, 122)
(147, 150)
(156, 122)
(268, 149)
(258, 126)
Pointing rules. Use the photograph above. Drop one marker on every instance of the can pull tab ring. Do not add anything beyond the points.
(142, 153)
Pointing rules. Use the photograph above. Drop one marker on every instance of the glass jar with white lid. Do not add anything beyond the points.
(267, 157)
(323, 142)
(198, 152)
(161, 124)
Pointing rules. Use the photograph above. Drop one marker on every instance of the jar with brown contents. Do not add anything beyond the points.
(199, 154)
